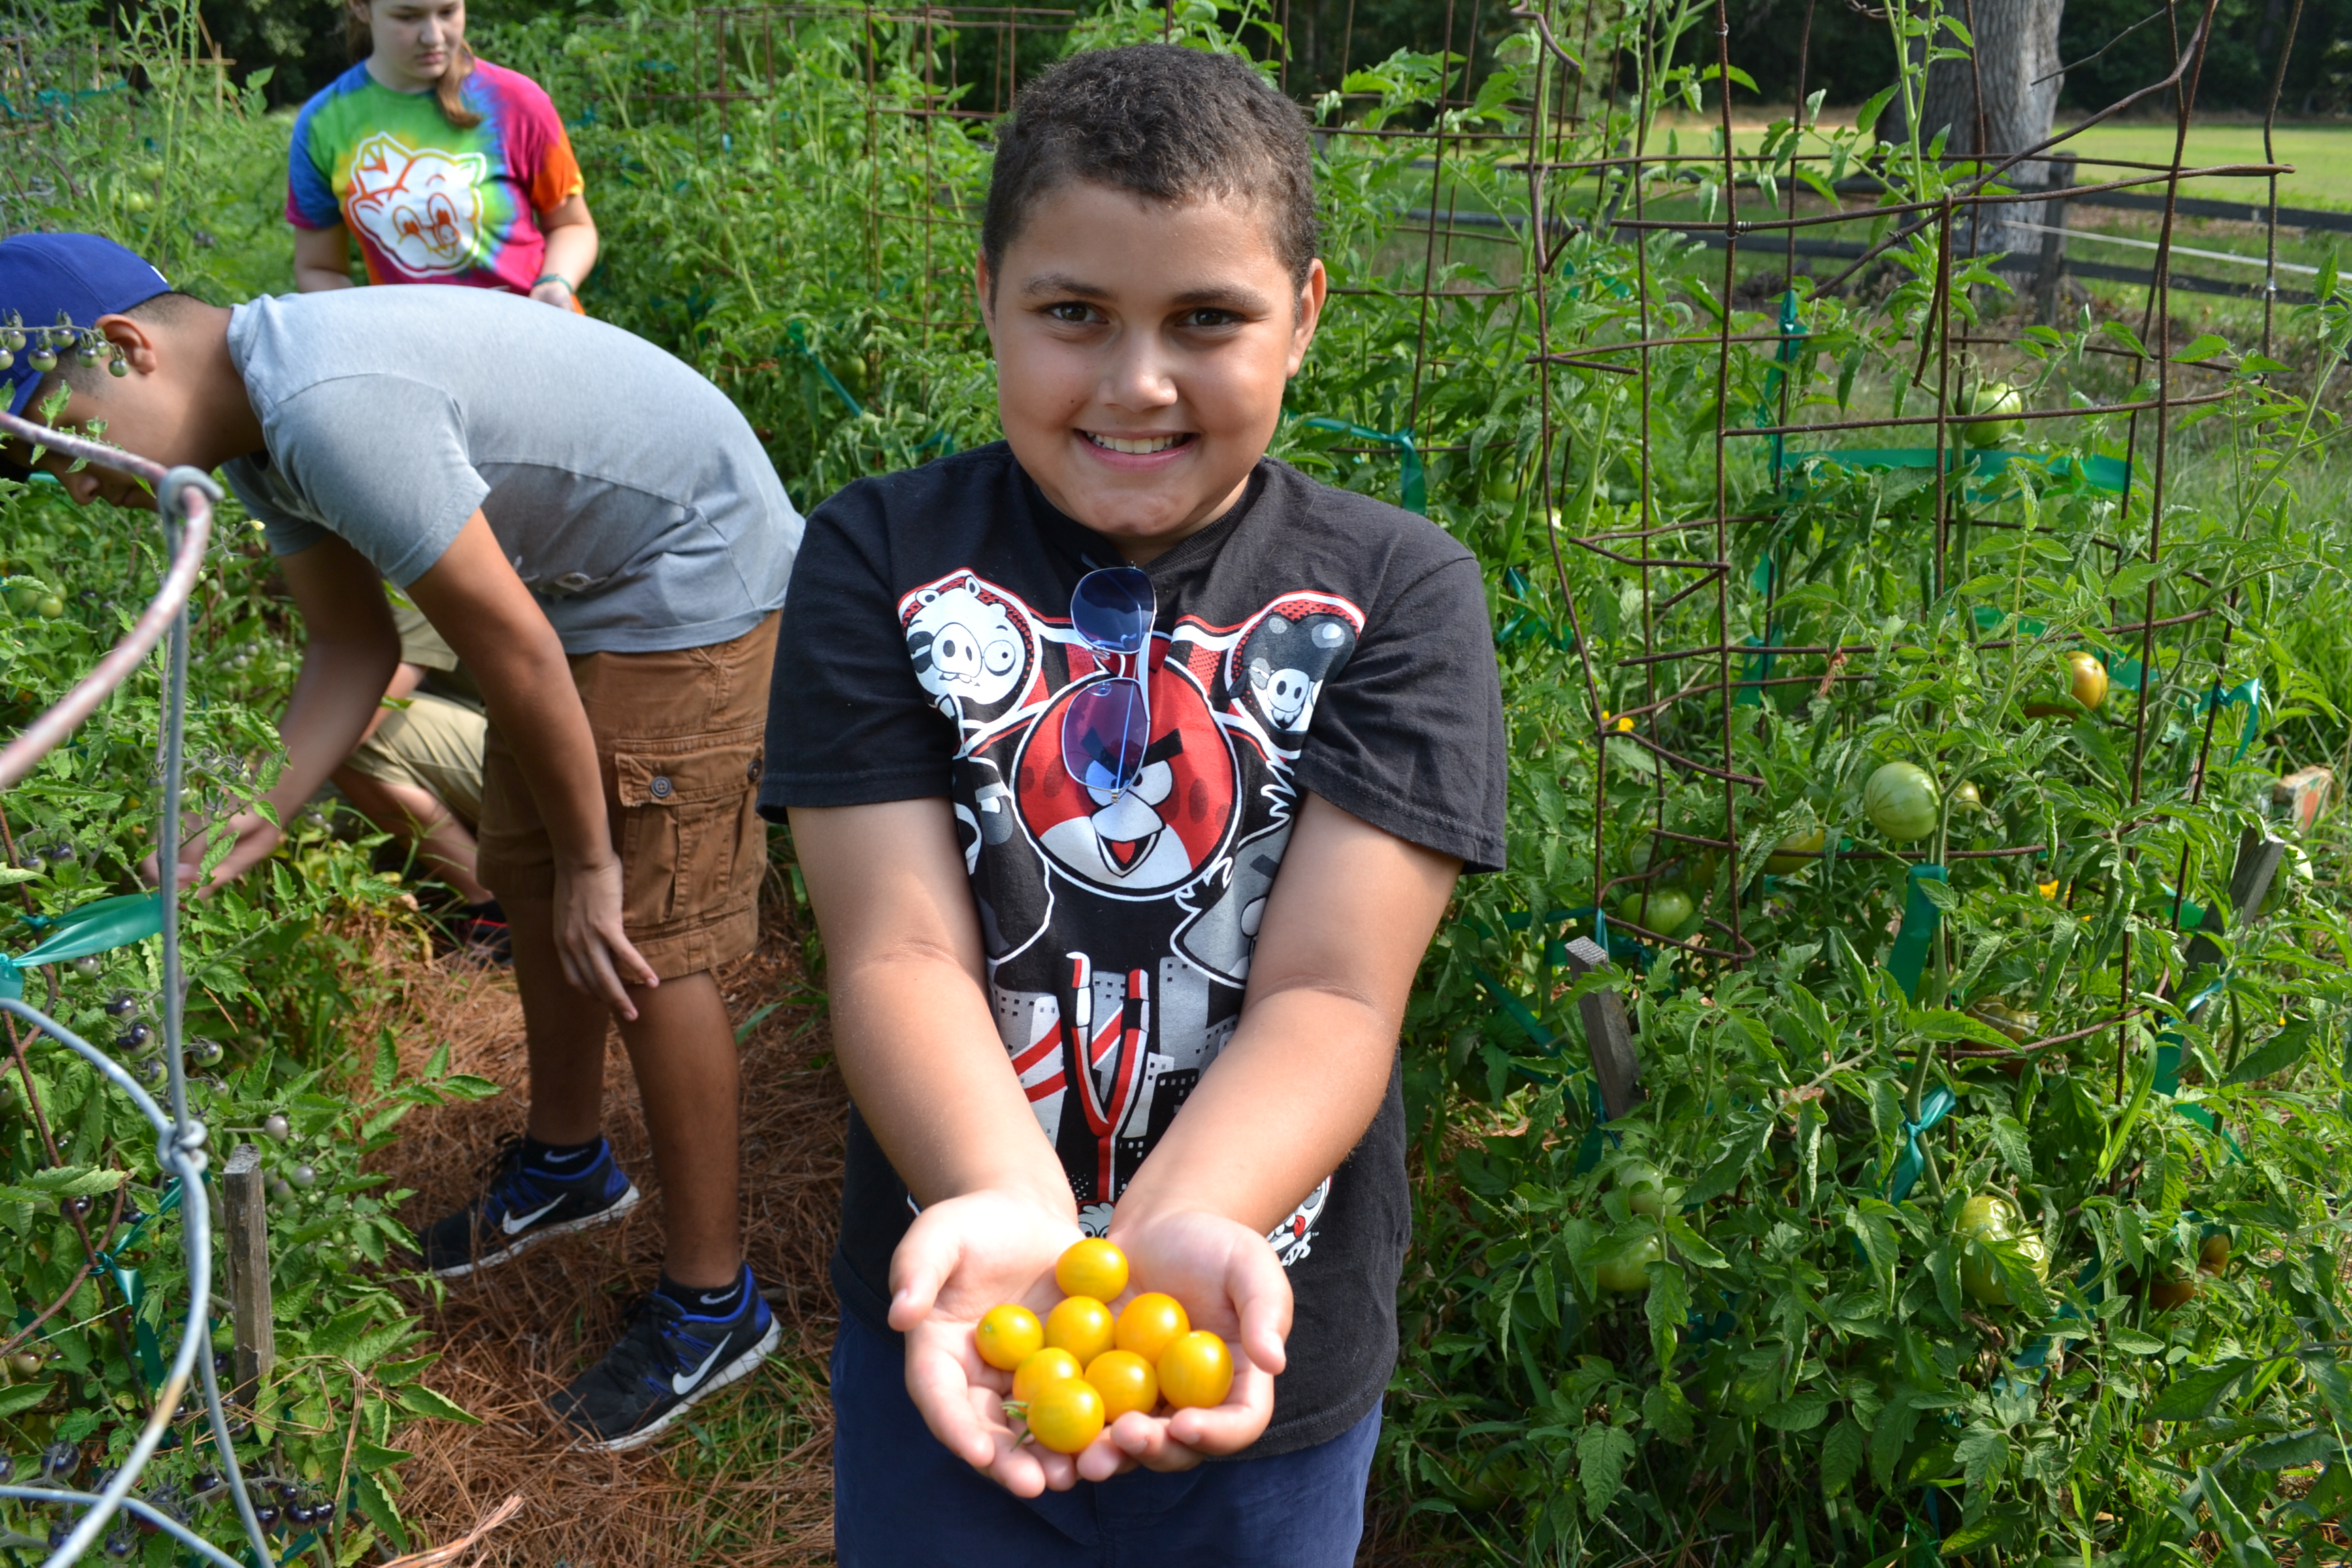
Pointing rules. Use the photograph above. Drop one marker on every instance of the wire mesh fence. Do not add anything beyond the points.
(184, 498)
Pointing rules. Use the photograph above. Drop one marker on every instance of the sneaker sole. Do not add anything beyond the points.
(529, 1240)
(741, 1366)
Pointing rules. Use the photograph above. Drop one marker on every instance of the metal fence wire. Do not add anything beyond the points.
(184, 498)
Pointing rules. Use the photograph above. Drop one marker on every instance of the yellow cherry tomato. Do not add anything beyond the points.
(1150, 1323)
(1126, 1382)
(1080, 1325)
(1009, 1336)
(1092, 1267)
(1196, 1370)
(1046, 1367)
(1066, 1415)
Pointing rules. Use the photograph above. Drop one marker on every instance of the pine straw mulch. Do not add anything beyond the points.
(747, 1482)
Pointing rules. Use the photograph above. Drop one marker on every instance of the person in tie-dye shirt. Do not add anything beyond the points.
(445, 168)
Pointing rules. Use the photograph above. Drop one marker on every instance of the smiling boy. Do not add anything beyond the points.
(1130, 771)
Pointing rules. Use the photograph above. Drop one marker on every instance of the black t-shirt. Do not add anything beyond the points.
(1310, 639)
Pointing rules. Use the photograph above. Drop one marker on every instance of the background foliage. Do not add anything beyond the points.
(1799, 1370)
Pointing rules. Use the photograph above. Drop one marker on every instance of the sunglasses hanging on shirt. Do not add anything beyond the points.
(1106, 729)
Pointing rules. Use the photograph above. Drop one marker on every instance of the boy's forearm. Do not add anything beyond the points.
(923, 1062)
(351, 656)
(1276, 1113)
(489, 618)
(1345, 926)
(912, 1027)
(335, 699)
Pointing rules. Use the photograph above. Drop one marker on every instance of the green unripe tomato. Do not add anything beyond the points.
(1628, 1272)
(1901, 801)
(49, 607)
(2001, 400)
(1661, 909)
(1645, 1189)
(1990, 1218)
(1796, 852)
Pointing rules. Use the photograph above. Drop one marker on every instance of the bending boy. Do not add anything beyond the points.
(1129, 771)
(596, 531)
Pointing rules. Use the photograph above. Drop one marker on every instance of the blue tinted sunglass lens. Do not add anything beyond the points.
(1113, 609)
(1104, 735)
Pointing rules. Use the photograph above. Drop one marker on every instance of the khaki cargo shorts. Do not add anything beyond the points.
(678, 738)
(433, 745)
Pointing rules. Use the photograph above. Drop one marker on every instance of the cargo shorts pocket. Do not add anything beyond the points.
(682, 814)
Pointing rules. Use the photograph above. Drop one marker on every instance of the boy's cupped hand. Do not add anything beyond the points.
(965, 1255)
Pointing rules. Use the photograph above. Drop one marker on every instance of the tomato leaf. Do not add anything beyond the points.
(1602, 1452)
(23, 1396)
(1800, 1412)
(2277, 1054)
(1667, 1308)
(2199, 1394)
(1841, 1457)
(419, 1400)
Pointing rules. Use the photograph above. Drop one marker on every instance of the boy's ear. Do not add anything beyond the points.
(1307, 314)
(135, 338)
(984, 287)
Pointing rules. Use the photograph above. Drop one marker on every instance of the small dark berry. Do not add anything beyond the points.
(60, 1459)
(266, 1515)
(135, 1037)
(208, 1481)
(121, 1544)
(121, 1005)
(73, 1208)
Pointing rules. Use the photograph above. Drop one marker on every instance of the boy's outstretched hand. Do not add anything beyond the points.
(968, 1254)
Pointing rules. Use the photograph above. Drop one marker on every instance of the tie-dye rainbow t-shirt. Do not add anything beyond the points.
(427, 202)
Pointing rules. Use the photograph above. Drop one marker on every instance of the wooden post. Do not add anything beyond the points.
(2249, 883)
(1609, 1034)
(245, 1230)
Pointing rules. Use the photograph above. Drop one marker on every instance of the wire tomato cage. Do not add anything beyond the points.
(183, 505)
(1590, 61)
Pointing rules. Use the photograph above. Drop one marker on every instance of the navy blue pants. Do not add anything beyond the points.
(901, 1500)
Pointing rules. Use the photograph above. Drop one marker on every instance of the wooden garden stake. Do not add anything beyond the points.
(246, 1228)
(1609, 1033)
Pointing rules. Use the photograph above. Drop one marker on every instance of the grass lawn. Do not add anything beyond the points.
(2322, 156)
(2320, 153)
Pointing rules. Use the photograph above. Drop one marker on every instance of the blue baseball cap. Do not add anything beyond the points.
(84, 276)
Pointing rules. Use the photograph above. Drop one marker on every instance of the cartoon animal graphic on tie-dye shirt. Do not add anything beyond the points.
(423, 207)
(425, 200)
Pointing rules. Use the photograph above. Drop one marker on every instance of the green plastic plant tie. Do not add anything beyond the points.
(1415, 482)
(1921, 920)
(1934, 1106)
(2112, 475)
(97, 927)
(798, 334)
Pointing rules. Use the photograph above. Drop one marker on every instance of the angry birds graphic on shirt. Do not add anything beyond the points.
(1120, 925)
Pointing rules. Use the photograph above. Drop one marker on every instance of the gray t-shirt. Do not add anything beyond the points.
(630, 494)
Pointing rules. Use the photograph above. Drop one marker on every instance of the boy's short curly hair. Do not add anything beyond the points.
(1166, 124)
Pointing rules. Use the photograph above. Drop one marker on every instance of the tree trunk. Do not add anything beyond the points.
(2000, 103)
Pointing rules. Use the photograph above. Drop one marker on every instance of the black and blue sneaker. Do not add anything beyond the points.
(672, 1354)
(532, 1195)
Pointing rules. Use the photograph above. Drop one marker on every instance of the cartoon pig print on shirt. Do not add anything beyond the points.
(421, 205)
(966, 650)
(1287, 661)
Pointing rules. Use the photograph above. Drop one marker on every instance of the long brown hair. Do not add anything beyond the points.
(449, 92)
